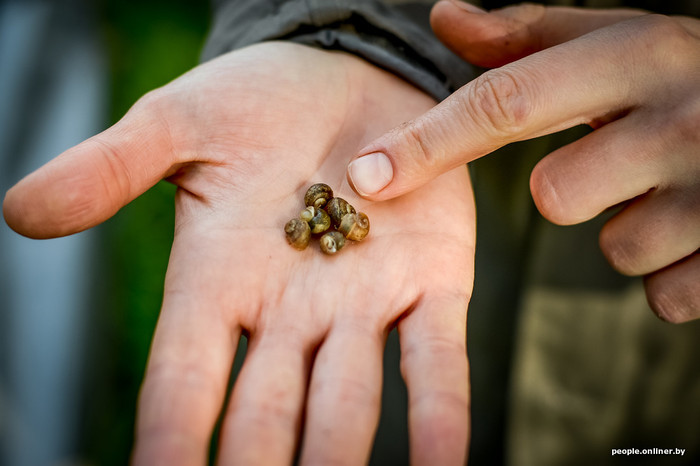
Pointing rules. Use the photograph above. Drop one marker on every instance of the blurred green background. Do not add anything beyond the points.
(149, 44)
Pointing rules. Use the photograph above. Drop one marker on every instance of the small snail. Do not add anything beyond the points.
(354, 226)
(332, 242)
(337, 208)
(317, 195)
(298, 233)
(318, 219)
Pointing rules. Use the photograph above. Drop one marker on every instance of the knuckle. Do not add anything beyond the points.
(417, 139)
(346, 391)
(657, 34)
(154, 111)
(448, 400)
(498, 100)
(435, 351)
(189, 376)
(115, 177)
(150, 101)
(78, 204)
(435, 347)
(272, 410)
(357, 393)
(661, 28)
(683, 125)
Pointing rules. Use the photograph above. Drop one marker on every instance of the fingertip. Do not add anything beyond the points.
(673, 293)
(9, 210)
(666, 306)
(448, 19)
(545, 195)
(60, 198)
(488, 39)
(412, 154)
(444, 10)
(88, 183)
(370, 174)
(25, 211)
(555, 199)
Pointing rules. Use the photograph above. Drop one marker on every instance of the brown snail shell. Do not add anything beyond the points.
(318, 195)
(318, 219)
(354, 226)
(298, 233)
(337, 208)
(332, 242)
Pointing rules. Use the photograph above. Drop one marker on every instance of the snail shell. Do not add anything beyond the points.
(308, 213)
(298, 233)
(318, 219)
(354, 226)
(332, 242)
(318, 195)
(337, 208)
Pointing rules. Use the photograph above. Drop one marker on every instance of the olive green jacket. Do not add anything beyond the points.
(567, 360)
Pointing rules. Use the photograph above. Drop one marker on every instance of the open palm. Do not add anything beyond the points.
(243, 136)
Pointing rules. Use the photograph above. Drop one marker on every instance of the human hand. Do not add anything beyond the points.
(633, 77)
(242, 137)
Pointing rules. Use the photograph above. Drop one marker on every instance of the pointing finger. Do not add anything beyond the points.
(560, 87)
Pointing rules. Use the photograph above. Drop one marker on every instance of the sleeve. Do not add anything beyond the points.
(392, 34)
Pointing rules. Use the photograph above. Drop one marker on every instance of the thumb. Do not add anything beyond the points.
(90, 182)
(492, 39)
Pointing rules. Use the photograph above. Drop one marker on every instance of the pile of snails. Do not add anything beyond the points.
(322, 212)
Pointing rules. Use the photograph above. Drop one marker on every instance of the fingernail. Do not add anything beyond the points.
(467, 6)
(371, 173)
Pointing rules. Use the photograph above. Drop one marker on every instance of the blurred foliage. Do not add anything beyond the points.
(149, 44)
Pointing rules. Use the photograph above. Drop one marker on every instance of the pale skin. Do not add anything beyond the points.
(632, 76)
(242, 137)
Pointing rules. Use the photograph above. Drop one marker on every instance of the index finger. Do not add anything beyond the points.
(582, 81)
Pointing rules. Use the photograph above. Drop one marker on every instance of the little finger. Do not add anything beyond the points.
(435, 368)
